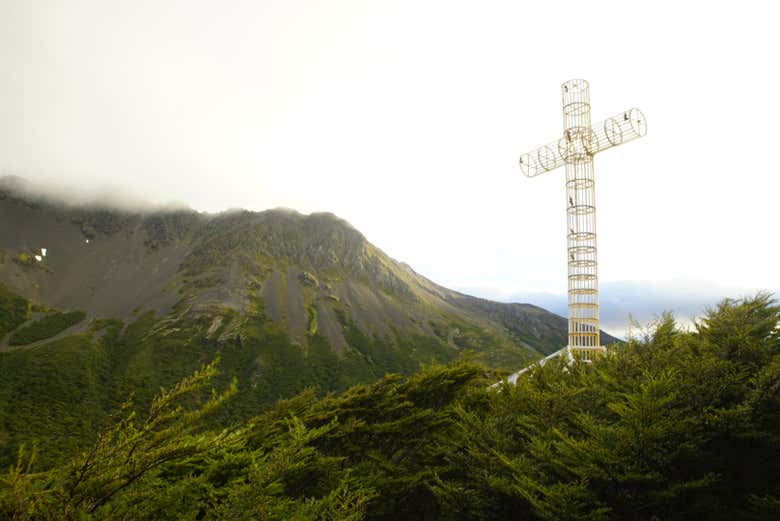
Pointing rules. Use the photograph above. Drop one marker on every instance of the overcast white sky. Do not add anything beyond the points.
(407, 118)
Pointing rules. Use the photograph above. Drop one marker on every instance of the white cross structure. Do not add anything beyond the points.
(575, 150)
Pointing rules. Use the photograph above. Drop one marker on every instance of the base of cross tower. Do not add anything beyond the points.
(585, 354)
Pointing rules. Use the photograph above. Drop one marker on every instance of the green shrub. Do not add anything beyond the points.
(13, 311)
(24, 259)
(679, 425)
(46, 327)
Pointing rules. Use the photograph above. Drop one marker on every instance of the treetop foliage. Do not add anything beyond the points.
(674, 426)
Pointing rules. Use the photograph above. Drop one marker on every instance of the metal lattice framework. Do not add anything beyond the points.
(575, 150)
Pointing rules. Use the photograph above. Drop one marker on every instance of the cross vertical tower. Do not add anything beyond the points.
(575, 150)
(581, 220)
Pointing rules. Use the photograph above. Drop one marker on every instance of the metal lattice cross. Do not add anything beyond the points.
(575, 150)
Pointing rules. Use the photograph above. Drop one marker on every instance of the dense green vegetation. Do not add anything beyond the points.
(92, 373)
(13, 311)
(46, 327)
(53, 397)
(677, 425)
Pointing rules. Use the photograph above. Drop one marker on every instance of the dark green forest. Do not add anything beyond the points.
(46, 327)
(674, 425)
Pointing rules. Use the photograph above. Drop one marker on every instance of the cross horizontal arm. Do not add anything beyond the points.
(609, 133)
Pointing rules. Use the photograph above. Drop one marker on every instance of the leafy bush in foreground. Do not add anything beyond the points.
(676, 426)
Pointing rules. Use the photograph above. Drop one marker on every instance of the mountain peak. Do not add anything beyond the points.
(309, 274)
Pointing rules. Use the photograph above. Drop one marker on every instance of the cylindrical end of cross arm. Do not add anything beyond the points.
(542, 160)
(638, 121)
(621, 128)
